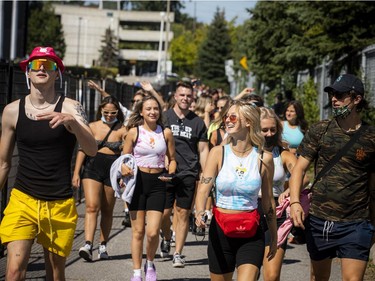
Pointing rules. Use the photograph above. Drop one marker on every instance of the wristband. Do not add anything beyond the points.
(296, 202)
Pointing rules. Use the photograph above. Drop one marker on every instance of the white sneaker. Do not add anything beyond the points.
(173, 240)
(85, 252)
(102, 252)
(178, 260)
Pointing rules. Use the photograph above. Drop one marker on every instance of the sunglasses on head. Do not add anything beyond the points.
(232, 118)
(110, 112)
(337, 95)
(47, 64)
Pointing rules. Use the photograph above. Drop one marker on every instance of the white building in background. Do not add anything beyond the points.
(142, 37)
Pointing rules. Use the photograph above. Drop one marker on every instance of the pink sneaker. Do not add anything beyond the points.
(150, 273)
(136, 278)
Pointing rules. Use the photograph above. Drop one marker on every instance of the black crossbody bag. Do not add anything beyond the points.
(339, 154)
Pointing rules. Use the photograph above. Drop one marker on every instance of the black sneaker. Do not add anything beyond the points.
(126, 222)
(165, 248)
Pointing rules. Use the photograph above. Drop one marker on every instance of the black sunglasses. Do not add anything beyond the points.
(338, 95)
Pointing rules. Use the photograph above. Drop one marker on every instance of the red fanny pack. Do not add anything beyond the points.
(238, 225)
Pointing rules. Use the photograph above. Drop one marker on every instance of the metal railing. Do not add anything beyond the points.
(13, 86)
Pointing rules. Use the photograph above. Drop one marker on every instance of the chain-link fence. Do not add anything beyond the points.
(323, 78)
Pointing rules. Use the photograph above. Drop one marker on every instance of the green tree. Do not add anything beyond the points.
(308, 95)
(175, 6)
(346, 30)
(285, 37)
(214, 51)
(109, 51)
(238, 52)
(45, 29)
(266, 37)
(184, 50)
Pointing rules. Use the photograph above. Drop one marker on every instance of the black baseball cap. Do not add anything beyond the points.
(346, 83)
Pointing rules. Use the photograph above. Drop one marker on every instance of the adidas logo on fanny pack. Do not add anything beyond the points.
(240, 228)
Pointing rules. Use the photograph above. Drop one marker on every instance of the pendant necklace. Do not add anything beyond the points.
(240, 170)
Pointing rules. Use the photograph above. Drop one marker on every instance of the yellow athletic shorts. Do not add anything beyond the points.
(53, 223)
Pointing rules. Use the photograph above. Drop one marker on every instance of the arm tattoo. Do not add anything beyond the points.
(81, 113)
(269, 214)
(206, 180)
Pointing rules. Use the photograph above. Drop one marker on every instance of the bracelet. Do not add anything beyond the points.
(296, 202)
(200, 213)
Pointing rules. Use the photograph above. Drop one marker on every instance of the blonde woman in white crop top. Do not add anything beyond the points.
(284, 161)
(245, 144)
(150, 144)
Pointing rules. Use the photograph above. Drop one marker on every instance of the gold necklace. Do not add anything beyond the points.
(247, 149)
(238, 158)
(41, 108)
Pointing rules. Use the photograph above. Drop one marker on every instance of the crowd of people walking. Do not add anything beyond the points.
(238, 168)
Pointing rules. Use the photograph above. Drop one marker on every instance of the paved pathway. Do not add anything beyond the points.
(295, 267)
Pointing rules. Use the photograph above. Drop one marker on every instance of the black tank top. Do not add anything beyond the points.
(44, 168)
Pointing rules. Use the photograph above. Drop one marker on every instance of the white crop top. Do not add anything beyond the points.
(239, 181)
(279, 175)
(150, 148)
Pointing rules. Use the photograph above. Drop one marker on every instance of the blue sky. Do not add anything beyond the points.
(205, 9)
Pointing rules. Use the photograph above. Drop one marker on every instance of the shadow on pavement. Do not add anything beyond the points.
(291, 261)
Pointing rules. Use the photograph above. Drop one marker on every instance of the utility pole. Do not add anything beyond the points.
(162, 16)
(78, 39)
(167, 39)
(13, 40)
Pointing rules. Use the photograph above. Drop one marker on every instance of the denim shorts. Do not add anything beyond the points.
(328, 239)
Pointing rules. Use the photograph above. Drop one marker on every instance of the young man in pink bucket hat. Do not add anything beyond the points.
(43, 54)
(45, 126)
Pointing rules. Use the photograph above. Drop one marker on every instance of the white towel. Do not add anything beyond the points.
(129, 181)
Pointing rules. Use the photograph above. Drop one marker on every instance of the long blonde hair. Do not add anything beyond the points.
(252, 115)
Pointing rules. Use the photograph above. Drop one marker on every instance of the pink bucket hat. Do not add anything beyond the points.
(43, 52)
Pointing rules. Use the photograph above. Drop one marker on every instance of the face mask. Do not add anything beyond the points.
(341, 112)
(108, 122)
(271, 141)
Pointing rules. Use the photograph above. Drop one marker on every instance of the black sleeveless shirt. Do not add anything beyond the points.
(44, 168)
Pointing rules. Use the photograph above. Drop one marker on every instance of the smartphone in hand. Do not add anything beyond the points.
(166, 176)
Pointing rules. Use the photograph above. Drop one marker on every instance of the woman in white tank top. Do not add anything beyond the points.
(284, 161)
(239, 175)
